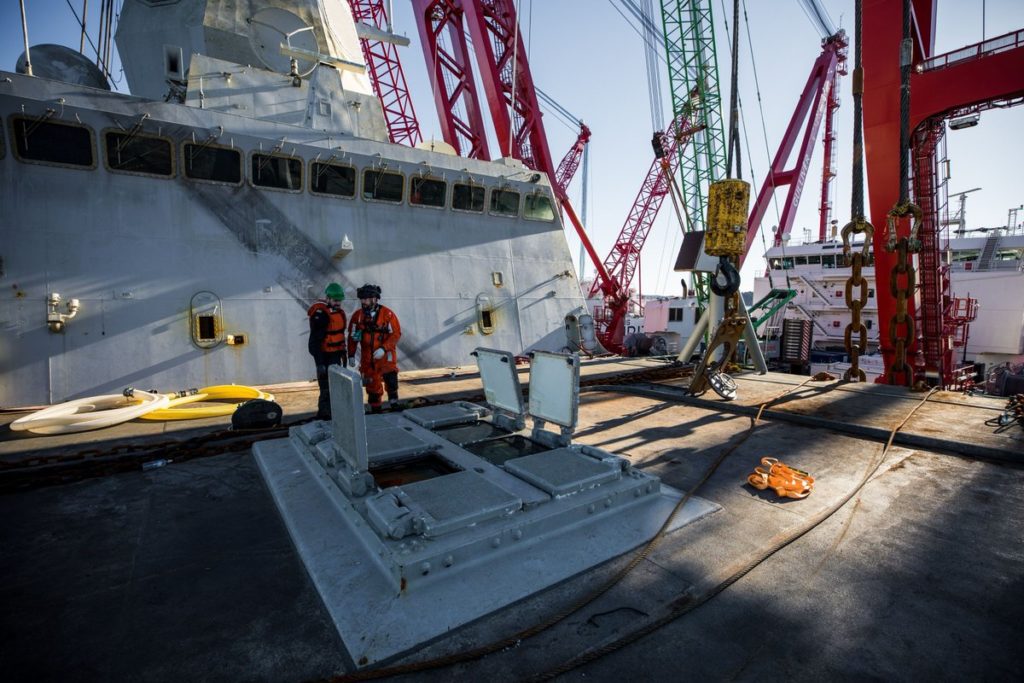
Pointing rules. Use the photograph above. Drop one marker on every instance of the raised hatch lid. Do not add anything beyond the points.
(555, 387)
(501, 383)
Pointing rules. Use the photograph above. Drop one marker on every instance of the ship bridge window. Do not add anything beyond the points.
(504, 203)
(134, 153)
(787, 263)
(276, 172)
(1008, 254)
(52, 142)
(675, 315)
(336, 180)
(428, 192)
(814, 260)
(828, 261)
(800, 260)
(213, 163)
(384, 186)
(468, 198)
(537, 207)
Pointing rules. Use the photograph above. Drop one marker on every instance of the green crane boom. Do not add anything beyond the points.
(693, 79)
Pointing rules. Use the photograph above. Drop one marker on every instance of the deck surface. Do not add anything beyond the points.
(186, 572)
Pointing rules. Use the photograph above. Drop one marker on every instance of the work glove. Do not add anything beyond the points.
(378, 354)
(352, 362)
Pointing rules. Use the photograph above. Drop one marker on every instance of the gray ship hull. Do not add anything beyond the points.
(147, 256)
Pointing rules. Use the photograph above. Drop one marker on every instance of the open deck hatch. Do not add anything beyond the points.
(414, 524)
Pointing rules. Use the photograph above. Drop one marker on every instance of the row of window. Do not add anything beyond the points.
(67, 144)
(825, 261)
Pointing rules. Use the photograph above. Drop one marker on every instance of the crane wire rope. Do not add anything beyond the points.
(654, 31)
(767, 150)
(734, 113)
(687, 602)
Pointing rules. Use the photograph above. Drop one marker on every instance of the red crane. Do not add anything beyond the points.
(571, 160)
(440, 25)
(624, 258)
(969, 79)
(818, 101)
(508, 86)
(386, 74)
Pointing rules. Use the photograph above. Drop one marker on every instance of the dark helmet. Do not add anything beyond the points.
(368, 292)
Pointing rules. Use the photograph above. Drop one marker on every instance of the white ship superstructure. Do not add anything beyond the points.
(989, 269)
(174, 238)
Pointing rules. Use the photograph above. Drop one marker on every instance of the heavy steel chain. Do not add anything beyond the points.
(901, 325)
(902, 289)
(858, 226)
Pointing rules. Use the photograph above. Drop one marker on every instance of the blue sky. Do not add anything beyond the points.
(585, 56)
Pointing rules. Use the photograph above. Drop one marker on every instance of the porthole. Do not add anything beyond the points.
(138, 154)
(212, 163)
(428, 192)
(206, 322)
(276, 172)
(504, 203)
(333, 180)
(468, 198)
(537, 207)
(383, 186)
(44, 141)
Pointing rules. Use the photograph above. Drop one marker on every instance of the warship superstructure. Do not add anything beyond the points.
(174, 237)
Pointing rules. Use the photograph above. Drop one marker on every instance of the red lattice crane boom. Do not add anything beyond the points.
(387, 76)
(624, 258)
(818, 101)
(443, 38)
(571, 160)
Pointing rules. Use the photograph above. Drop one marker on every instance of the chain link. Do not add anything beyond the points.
(901, 339)
(856, 326)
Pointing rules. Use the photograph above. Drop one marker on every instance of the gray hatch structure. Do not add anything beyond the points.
(412, 524)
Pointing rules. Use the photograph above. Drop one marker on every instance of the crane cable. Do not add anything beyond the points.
(767, 151)
(858, 225)
(734, 114)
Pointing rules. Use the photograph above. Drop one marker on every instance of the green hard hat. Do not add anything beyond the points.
(335, 291)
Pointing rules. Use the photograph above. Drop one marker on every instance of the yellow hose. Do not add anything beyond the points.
(219, 392)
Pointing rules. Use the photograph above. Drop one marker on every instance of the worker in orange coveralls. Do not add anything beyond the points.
(375, 329)
(327, 341)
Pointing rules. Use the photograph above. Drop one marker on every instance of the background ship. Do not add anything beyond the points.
(986, 276)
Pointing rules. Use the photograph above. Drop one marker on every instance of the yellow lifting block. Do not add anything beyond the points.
(728, 203)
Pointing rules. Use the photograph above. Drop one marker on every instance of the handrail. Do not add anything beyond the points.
(995, 45)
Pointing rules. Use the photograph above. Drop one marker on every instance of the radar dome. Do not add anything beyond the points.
(60, 63)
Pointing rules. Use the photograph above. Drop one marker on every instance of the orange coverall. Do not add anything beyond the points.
(377, 330)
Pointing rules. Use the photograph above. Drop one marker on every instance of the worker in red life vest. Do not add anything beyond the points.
(327, 341)
(375, 329)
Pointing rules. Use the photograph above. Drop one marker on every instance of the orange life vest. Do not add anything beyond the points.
(334, 339)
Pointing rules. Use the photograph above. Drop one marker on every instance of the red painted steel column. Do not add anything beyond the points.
(980, 78)
(882, 31)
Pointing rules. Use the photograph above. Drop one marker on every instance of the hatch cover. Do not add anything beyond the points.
(563, 471)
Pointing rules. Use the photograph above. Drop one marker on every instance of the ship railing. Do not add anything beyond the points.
(991, 46)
